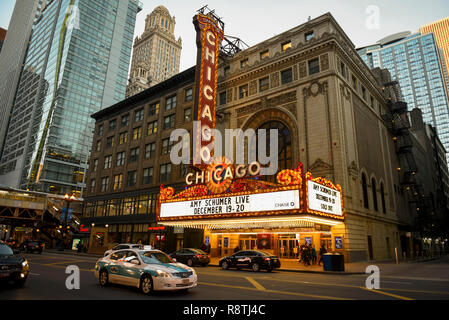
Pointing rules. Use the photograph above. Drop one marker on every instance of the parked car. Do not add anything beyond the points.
(122, 246)
(31, 246)
(13, 267)
(251, 259)
(191, 257)
(14, 244)
(147, 270)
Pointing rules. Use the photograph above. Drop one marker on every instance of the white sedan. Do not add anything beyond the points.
(147, 270)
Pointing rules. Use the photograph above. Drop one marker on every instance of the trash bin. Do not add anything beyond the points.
(333, 262)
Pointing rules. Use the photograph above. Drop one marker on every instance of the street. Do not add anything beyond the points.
(421, 281)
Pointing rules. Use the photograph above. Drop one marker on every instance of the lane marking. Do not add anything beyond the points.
(273, 291)
(388, 294)
(33, 274)
(256, 284)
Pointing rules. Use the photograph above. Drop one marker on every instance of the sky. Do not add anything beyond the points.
(254, 21)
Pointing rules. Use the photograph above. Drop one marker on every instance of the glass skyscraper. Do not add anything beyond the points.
(76, 64)
(414, 61)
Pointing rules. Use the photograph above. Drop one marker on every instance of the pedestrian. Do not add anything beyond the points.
(322, 252)
(314, 257)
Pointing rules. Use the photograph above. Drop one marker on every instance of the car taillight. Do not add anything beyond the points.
(198, 256)
(267, 259)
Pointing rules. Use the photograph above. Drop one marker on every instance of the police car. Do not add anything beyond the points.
(147, 270)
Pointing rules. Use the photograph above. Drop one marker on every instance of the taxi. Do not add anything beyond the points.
(147, 270)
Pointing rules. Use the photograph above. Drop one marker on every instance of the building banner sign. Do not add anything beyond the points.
(209, 37)
(254, 203)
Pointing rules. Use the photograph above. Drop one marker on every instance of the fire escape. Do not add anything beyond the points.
(397, 122)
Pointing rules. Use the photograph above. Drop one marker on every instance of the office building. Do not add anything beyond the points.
(76, 64)
(12, 57)
(414, 61)
(440, 30)
(2, 38)
(156, 53)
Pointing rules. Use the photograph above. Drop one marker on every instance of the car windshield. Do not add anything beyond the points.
(198, 251)
(149, 257)
(263, 253)
(5, 250)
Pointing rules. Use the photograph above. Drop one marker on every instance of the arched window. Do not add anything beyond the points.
(365, 191)
(284, 144)
(374, 189)
(382, 197)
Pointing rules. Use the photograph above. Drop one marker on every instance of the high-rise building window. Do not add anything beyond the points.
(132, 178)
(243, 91)
(264, 54)
(286, 45)
(120, 159)
(107, 162)
(286, 76)
(374, 190)
(92, 185)
(118, 179)
(109, 142)
(134, 155)
(166, 146)
(150, 150)
(169, 121)
(222, 98)
(147, 176)
(95, 165)
(365, 191)
(104, 184)
(189, 95)
(154, 109)
(187, 115)
(314, 66)
(112, 125)
(170, 103)
(382, 197)
(123, 138)
(100, 130)
(98, 147)
(152, 128)
(125, 120)
(138, 116)
(165, 172)
(264, 84)
(137, 133)
(308, 36)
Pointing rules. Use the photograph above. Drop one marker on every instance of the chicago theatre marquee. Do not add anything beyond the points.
(337, 180)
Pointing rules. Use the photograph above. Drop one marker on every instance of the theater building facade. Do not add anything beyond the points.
(337, 181)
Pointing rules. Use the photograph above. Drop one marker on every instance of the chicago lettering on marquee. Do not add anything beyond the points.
(209, 37)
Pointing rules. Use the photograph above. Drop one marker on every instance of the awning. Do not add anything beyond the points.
(254, 223)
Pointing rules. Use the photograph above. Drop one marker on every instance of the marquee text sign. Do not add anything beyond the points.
(254, 203)
(209, 37)
(324, 199)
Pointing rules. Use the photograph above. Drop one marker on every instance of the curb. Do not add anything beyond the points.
(341, 273)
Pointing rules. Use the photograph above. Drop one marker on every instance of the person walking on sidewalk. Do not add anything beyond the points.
(313, 254)
(322, 252)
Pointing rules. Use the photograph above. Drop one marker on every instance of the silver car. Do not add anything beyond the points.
(147, 270)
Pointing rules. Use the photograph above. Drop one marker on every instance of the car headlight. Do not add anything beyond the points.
(163, 274)
(24, 263)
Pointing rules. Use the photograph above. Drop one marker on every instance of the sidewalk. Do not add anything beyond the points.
(292, 265)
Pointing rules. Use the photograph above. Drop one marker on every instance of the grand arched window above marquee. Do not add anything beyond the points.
(284, 144)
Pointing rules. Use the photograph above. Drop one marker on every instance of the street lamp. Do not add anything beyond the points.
(64, 227)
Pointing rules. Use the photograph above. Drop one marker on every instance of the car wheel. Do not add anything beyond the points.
(146, 284)
(190, 262)
(104, 278)
(255, 267)
(224, 265)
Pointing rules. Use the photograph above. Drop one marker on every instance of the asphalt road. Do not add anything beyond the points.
(47, 279)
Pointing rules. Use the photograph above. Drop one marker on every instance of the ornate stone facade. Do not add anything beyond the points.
(156, 54)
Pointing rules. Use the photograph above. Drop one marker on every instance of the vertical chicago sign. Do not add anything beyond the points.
(209, 37)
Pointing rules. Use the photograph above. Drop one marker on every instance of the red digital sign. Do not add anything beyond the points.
(209, 37)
